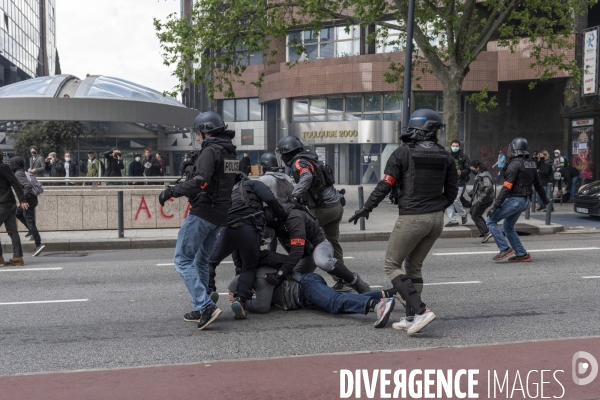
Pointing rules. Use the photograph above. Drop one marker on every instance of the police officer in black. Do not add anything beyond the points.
(513, 199)
(243, 233)
(427, 184)
(314, 188)
(300, 234)
(209, 186)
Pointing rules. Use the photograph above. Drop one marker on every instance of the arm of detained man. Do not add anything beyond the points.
(265, 195)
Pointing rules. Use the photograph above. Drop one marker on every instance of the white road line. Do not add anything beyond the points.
(376, 286)
(450, 283)
(348, 258)
(30, 269)
(42, 302)
(590, 277)
(529, 251)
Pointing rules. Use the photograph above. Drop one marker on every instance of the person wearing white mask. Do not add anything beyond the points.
(135, 167)
(71, 169)
(463, 169)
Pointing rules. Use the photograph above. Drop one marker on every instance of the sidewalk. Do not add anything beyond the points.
(378, 228)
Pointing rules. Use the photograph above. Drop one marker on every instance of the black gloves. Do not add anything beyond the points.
(363, 212)
(165, 195)
(275, 278)
(491, 212)
(342, 199)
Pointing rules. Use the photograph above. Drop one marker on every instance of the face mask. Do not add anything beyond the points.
(455, 149)
(67, 159)
(138, 159)
(474, 172)
(33, 154)
(89, 160)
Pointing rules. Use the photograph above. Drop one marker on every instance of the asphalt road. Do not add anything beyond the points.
(127, 310)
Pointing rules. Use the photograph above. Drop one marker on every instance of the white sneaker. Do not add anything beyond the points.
(403, 324)
(421, 321)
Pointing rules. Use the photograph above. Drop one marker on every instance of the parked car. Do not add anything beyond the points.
(587, 200)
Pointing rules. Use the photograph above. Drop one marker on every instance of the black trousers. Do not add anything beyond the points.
(8, 218)
(246, 240)
(476, 211)
(27, 218)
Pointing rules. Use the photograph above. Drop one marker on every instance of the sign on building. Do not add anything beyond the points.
(590, 62)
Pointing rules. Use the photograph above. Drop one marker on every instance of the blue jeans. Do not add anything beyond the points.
(574, 187)
(509, 212)
(195, 243)
(315, 294)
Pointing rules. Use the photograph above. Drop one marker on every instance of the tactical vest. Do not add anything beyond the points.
(220, 187)
(426, 175)
(525, 177)
(242, 198)
(322, 174)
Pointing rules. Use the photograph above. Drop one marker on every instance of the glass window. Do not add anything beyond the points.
(293, 55)
(391, 102)
(389, 40)
(301, 107)
(295, 37)
(327, 50)
(311, 36)
(256, 58)
(300, 119)
(327, 34)
(353, 104)
(335, 117)
(255, 110)
(247, 137)
(318, 118)
(228, 110)
(425, 100)
(352, 117)
(318, 106)
(353, 32)
(372, 103)
(347, 48)
(372, 117)
(312, 51)
(241, 110)
(391, 117)
(335, 104)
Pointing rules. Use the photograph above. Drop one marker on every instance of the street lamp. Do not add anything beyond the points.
(408, 65)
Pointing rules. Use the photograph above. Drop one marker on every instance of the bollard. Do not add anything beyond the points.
(533, 201)
(120, 214)
(550, 205)
(527, 212)
(361, 203)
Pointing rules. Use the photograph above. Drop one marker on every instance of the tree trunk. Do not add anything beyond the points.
(452, 98)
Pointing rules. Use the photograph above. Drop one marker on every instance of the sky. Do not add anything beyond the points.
(114, 38)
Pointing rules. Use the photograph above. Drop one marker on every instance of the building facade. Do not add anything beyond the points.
(341, 107)
(27, 39)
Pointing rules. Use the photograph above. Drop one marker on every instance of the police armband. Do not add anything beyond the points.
(201, 181)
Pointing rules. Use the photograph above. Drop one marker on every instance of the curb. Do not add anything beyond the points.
(169, 243)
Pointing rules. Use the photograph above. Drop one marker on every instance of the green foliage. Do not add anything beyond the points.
(49, 136)
(482, 101)
(210, 46)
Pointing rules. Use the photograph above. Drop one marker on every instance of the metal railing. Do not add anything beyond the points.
(96, 182)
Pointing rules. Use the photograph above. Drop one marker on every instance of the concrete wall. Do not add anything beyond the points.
(73, 209)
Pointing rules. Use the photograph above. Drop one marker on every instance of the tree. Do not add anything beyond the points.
(210, 45)
(57, 69)
(49, 136)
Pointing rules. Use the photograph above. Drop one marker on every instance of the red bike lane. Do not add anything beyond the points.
(516, 370)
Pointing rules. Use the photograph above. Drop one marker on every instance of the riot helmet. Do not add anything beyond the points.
(288, 147)
(423, 125)
(208, 122)
(269, 162)
(519, 147)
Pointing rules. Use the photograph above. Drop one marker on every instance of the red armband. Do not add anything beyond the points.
(301, 169)
(204, 186)
(507, 185)
(390, 180)
(297, 242)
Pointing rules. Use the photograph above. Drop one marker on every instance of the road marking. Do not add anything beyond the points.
(348, 258)
(529, 251)
(450, 283)
(42, 302)
(376, 286)
(163, 265)
(590, 277)
(30, 269)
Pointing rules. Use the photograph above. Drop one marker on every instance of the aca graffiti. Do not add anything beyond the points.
(144, 211)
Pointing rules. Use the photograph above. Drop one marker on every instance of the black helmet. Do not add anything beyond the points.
(288, 147)
(519, 147)
(209, 122)
(423, 125)
(269, 162)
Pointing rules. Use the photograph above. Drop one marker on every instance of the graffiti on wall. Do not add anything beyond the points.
(144, 210)
(488, 155)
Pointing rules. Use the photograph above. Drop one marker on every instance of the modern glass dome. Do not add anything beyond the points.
(91, 87)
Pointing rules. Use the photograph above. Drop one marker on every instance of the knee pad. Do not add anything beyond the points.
(404, 280)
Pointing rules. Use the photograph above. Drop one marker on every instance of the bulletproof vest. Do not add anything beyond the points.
(322, 174)
(220, 187)
(242, 198)
(426, 175)
(282, 189)
(525, 177)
